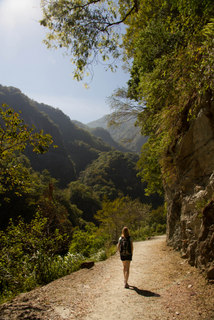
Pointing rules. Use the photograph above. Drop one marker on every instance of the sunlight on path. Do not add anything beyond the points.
(140, 301)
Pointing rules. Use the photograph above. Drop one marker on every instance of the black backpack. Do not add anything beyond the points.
(125, 246)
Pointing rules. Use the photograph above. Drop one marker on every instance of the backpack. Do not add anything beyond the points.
(125, 246)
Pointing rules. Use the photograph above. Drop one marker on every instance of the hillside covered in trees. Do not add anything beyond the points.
(126, 133)
(76, 147)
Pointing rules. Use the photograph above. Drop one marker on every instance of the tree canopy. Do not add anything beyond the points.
(86, 29)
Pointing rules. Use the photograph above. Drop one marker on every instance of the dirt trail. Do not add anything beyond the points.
(162, 286)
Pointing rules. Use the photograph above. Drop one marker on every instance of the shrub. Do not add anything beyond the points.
(142, 233)
(87, 242)
(28, 256)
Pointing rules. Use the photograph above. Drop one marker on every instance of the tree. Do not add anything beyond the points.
(16, 177)
(14, 138)
(171, 71)
(121, 212)
(88, 241)
(27, 252)
(15, 135)
(85, 199)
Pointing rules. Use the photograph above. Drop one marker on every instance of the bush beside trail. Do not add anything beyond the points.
(31, 255)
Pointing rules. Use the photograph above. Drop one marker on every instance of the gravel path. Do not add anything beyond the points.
(162, 287)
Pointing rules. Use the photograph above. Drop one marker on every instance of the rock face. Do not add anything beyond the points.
(190, 194)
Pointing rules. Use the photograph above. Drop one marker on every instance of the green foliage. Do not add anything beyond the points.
(154, 223)
(19, 185)
(87, 242)
(31, 254)
(85, 199)
(149, 167)
(92, 243)
(74, 214)
(142, 233)
(125, 133)
(14, 138)
(50, 268)
(120, 212)
(110, 250)
(77, 147)
(113, 174)
(28, 255)
(43, 194)
(157, 217)
(141, 220)
(15, 135)
(94, 36)
(172, 63)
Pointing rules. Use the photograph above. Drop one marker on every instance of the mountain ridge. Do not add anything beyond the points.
(71, 140)
(126, 134)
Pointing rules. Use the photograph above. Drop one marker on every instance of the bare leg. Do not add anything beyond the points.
(126, 267)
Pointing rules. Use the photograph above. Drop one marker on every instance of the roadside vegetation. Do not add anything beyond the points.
(31, 255)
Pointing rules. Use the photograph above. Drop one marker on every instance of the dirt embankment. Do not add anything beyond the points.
(162, 287)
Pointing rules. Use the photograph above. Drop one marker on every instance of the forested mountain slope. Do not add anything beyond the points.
(106, 136)
(115, 174)
(56, 160)
(126, 134)
(100, 129)
(76, 147)
(81, 145)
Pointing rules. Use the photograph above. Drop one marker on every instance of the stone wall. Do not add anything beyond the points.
(190, 196)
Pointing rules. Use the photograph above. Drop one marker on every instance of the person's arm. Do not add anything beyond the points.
(132, 247)
(118, 245)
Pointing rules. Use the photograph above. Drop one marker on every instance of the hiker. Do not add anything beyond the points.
(125, 247)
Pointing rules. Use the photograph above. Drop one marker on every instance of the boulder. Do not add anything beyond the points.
(87, 265)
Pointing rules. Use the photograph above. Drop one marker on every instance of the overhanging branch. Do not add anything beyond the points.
(122, 20)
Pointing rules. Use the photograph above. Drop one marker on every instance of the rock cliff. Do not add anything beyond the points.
(190, 194)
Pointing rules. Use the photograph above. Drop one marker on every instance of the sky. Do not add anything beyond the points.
(45, 75)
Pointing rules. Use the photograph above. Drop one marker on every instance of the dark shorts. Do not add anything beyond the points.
(125, 258)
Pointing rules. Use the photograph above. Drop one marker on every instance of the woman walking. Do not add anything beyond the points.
(125, 247)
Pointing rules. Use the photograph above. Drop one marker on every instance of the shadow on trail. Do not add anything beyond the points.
(144, 293)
